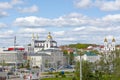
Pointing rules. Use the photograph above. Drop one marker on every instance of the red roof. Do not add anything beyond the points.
(102, 46)
(11, 49)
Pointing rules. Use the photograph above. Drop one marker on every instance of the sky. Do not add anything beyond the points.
(69, 21)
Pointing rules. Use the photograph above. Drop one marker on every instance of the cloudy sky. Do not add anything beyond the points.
(69, 21)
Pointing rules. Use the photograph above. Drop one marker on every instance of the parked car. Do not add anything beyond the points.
(10, 73)
(50, 70)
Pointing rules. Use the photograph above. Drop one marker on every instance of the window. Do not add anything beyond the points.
(47, 45)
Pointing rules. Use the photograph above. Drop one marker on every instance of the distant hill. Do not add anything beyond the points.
(80, 45)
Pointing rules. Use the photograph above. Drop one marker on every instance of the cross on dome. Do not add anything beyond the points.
(49, 36)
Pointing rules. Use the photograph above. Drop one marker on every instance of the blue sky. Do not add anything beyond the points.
(69, 21)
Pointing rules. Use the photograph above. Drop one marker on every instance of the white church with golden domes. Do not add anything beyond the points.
(109, 46)
(38, 45)
(45, 53)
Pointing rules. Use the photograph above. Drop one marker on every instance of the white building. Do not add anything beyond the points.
(37, 44)
(47, 59)
(88, 56)
(109, 46)
(11, 57)
(45, 53)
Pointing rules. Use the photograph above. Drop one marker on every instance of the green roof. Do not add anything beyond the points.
(87, 53)
(90, 54)
(76, 54)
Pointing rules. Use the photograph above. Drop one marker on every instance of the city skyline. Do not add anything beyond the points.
(69, 21)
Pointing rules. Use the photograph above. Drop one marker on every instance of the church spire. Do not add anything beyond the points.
(105, 40)
(113, 40)
(37, 37)
(33, 37)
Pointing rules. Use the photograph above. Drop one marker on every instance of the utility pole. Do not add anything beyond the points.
(14, 43)
(16, 54)
(80, 67)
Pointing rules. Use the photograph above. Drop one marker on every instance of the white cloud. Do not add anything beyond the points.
(6, 34)
(67, 20)
(112, 18)
(70, 20)
(105, 5)
(32, 21)
(83, 3)
(82, 29)
(110, 5)
(9, 32)
(103, 29)
(79, 28)
(67, 39)
(109, 36)
(31, 9)
(2, 25)
(3, 14)
(14, 2)
(5, 5)
(59, 33)
(32, 30)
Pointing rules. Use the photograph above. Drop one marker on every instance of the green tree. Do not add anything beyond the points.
(116, 65)
(87, 73)
(71, 55)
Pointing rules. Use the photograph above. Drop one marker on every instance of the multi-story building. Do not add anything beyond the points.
(47, 59)
(45, 53)
(11, 57)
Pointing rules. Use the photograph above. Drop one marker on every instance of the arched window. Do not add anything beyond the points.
(47, 45)
(51, 45)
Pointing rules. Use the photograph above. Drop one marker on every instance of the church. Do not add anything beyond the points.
(109, 46)
(45, 54)
(37, 45)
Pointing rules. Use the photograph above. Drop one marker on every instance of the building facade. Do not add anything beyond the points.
(37, 45)
(45, 53)
(11, 57)
(109, 46)
(46, 59)
(88, 56)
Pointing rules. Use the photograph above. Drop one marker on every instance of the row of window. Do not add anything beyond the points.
(39, 44)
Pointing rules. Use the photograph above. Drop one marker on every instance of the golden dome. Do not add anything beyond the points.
(49, 36)
(105, 40)
(113, 40)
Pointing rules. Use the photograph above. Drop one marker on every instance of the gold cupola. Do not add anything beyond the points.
(105, 40)
(113, 40)
(49, 36)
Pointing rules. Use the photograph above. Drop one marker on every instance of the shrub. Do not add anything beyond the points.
(74, 78)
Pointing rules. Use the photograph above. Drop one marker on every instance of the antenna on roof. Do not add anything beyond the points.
(14, 42)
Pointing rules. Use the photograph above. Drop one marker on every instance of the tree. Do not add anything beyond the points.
(87, 73)
(71, 55)
(116, 65)
(28, 64)
(109, 65)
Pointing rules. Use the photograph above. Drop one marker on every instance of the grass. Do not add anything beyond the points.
(60, 78)
(55, 73)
